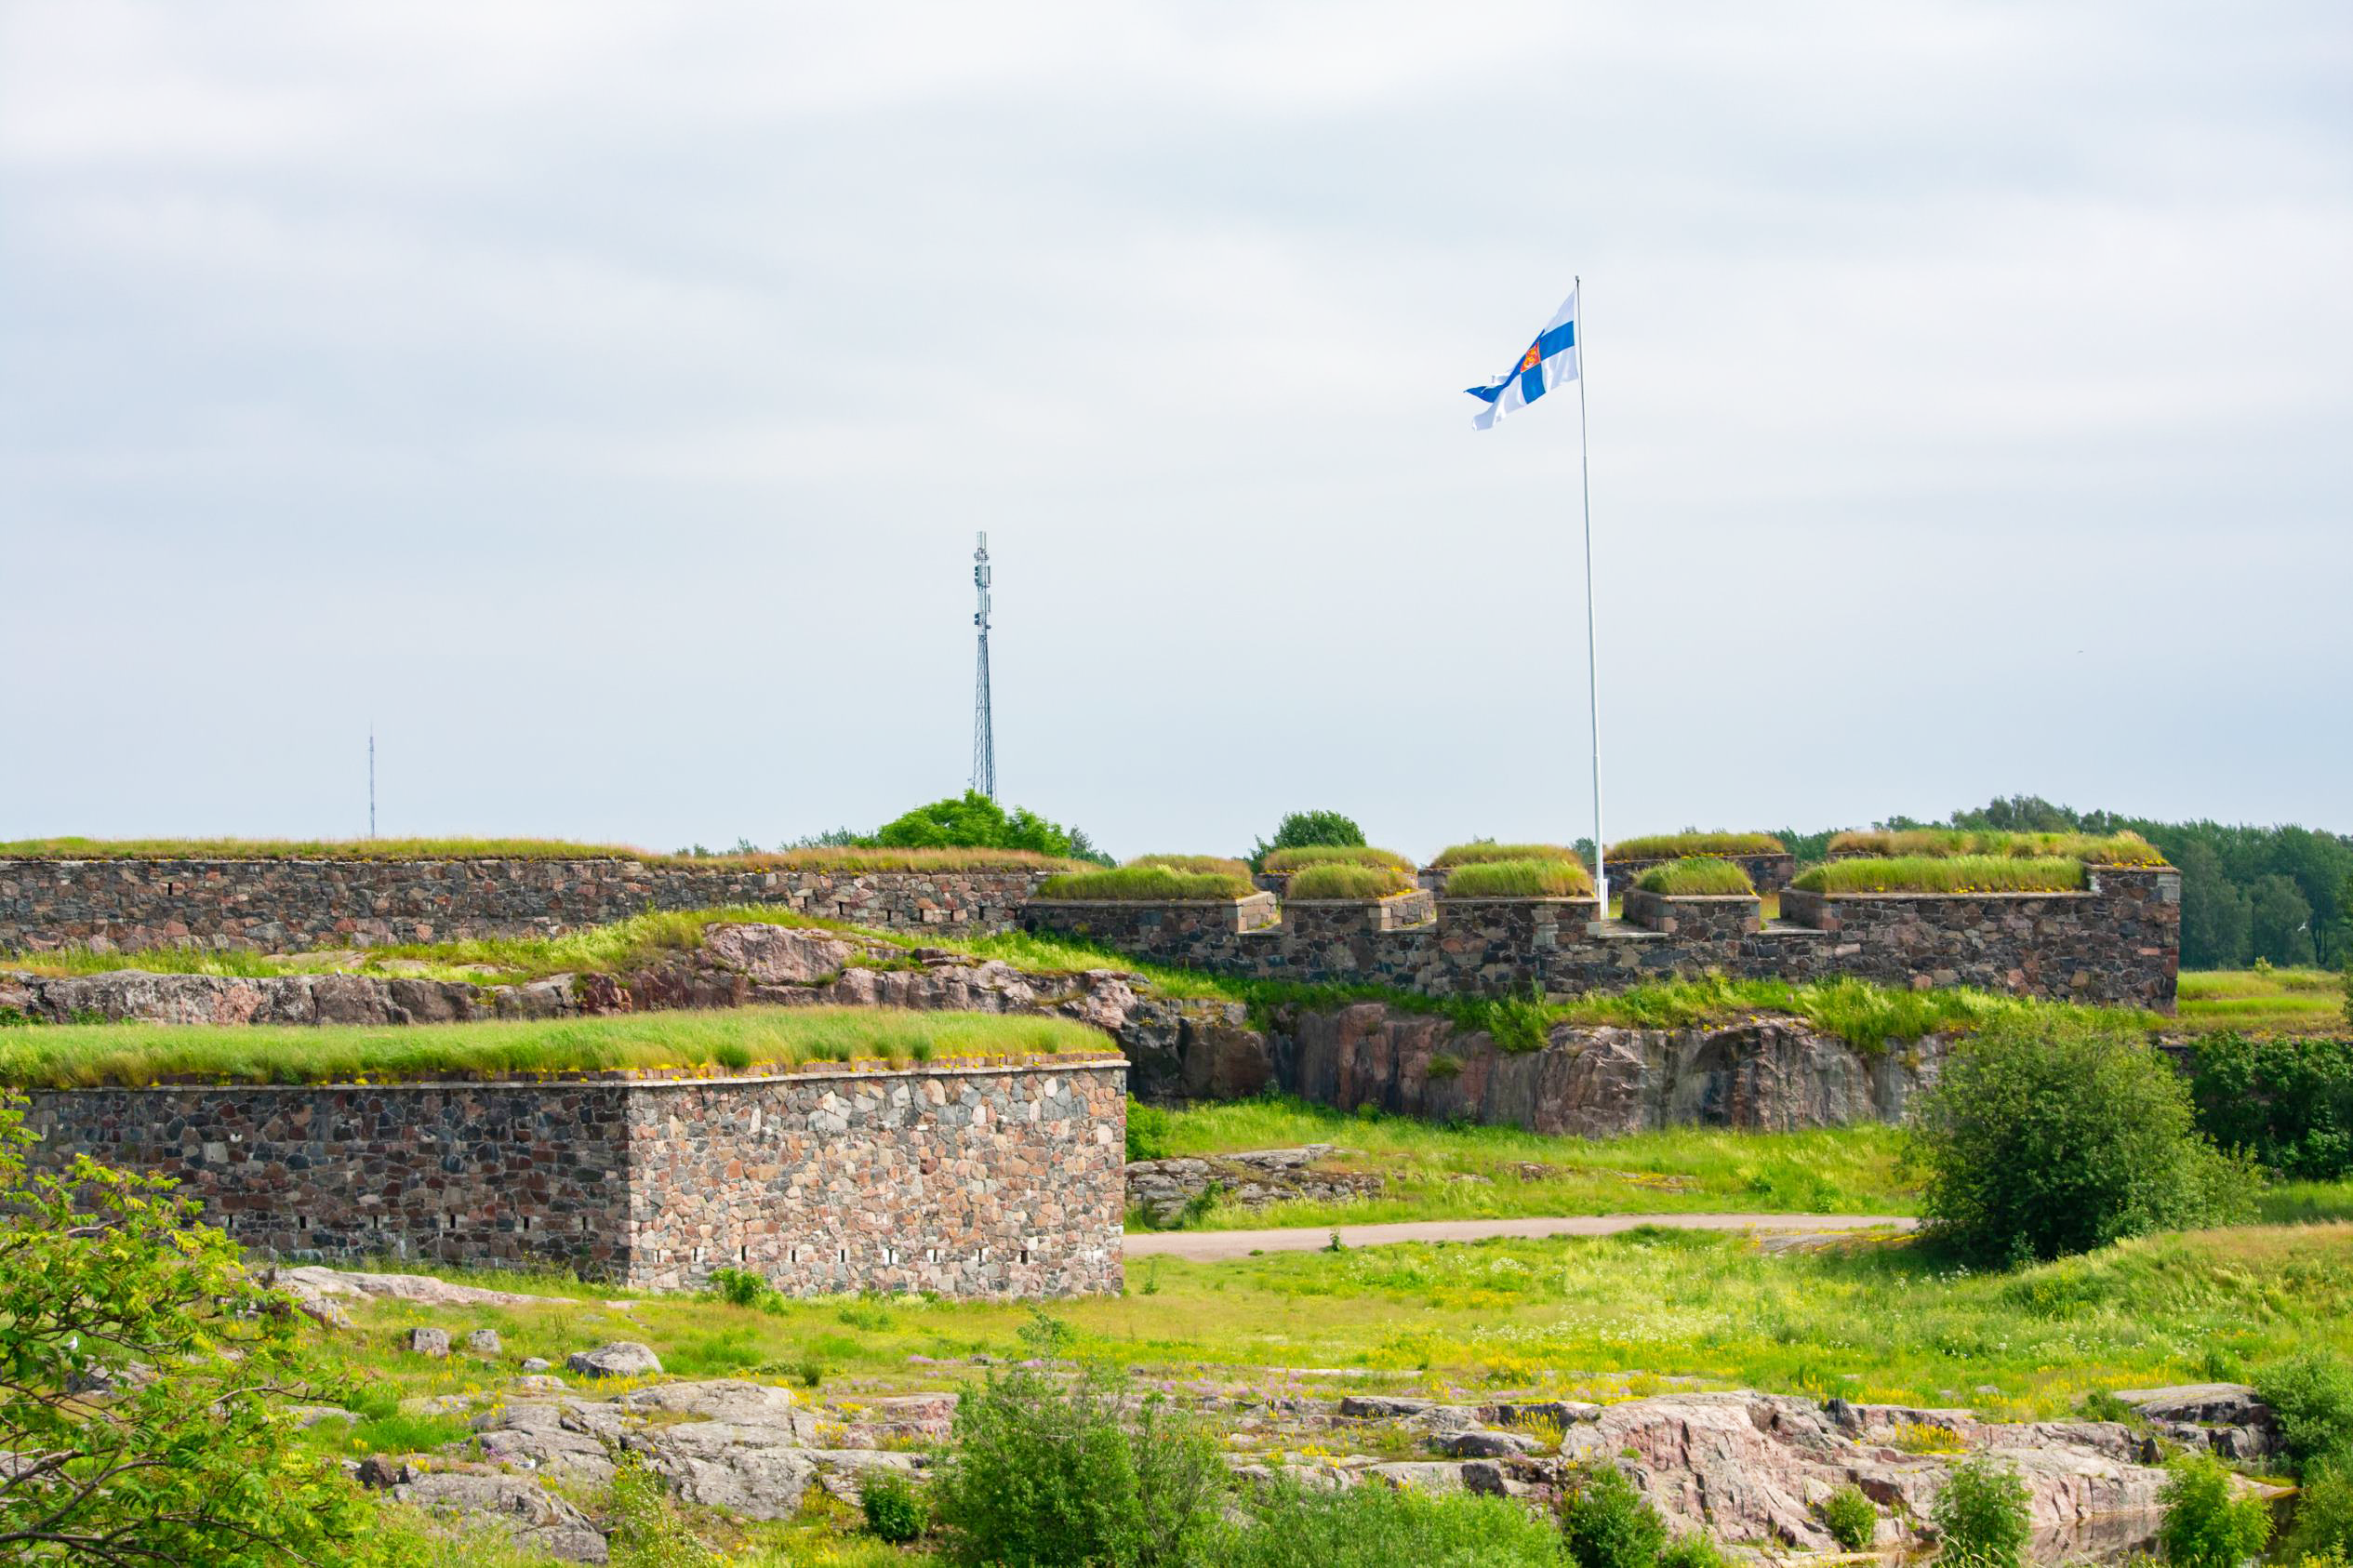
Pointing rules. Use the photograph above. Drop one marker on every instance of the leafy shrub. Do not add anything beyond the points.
(1285, 1525)
(1043, 1473)
(1222, 864)
(1696, 875)
(2051, 1134)
(1334, 854)
(1850, 1516)
(976, 821)
(1148, 1130)
(1675, 847)
(1482, 850)
(2312, 1396)
(894, 1512)
(1300, 829)
(2096, 849)
(741, 1288)
(1981, 1516)
(648, 1531)
(1520, 879)
(1924, 873)
(2102, 1406)
(1147, 885)
(2289, 1102)
(1694, 1551)
(2205, 1526)
(1443, 1066)
(1606, 1522)
(1334, 879)
(2323, 1523)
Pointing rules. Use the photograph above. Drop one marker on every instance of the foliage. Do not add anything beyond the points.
(648, 1531)
(1148, 1128)
(1696, 875)
(1219, 864)
(850, 852)
(2287, 1102)
(1850, 1516)
(974, 821)
(1981, 1516)
(1333, 854)
(1300, 829)
(1692, 1551)
(742, 1287)
(2279, 921)
(1286, 1525)
(1927, 873)
(2097, 849)
(1480, 850)
(2205, 1526)
(2323, 1521)
(2267, 1000)
(1677, 846)
(733, 1038)
(1337, 880)
(1606, 1522)
(1147, 885)
(1045, 1471)
(2312, 1395)
(1520, 879)
(893, 1510)
(106, 1278)
(2048, 1135)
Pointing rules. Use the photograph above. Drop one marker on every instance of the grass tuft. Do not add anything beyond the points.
(1520, 879)
(1484, 851)
(1930, 873)
(1339, 880)
(1677, 846)
(2093, 849)
(1223, 865)
(1336, 854)
(1148, 884)
(1696, 875)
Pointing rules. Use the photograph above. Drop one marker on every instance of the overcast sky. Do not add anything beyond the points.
(602, 398)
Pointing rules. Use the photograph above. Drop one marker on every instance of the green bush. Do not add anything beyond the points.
(741, 1288)
(1850, 1516)
(976, 821)
(1044, 1472)
(1694, 1551)
(1333, 854)
(2323, 1523)
(1148, 1130)
(1925, 873)
(1981, 1516)
(1300, 829)
(1606, 1522)
(2289, 1102)
(1697, 876)
(2050, 1134)
(1285, 1525)
(2205, 1526)
(892, 1511)
(648, 1531)
(1520, 879)
(1675, 847)
(1334, 879)
(2312, 1397)
(1222, 865)
(1482, 850)
(1147, 885)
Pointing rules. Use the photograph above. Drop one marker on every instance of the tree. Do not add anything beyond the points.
(2214, 924)
(1300, 829)
(2279, 921)
(141, 1401)
(974, 821)
(2048, 1135)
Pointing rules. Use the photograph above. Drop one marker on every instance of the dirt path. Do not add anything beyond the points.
(1210, 1247)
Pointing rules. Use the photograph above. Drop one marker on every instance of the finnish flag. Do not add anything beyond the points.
(1548, 361)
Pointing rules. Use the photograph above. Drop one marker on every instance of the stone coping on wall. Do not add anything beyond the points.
(636, 1078)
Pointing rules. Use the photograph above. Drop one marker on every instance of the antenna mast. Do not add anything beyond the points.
(371, 779)
(984, 735)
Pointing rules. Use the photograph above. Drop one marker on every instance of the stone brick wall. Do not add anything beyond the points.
(989, 1180)
(286, 906)
(2117, 941)
(1769, 873)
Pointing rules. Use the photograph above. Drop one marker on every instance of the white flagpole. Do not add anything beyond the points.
(1592, 662)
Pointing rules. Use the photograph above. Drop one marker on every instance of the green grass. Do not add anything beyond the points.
(1481, 851)
(1221, 865)
(1929, 873)
(1677, 846)
(1336, 854)
(1148, 884)
(1338, 880)
(2111, 849)
(1458, 1172)
(1697, 876)
(1608, 1318)
(2264, 1002)
(851, 859)
(1520, 879)
(733, 1039)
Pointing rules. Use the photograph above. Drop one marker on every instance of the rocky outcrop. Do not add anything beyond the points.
(527, 1512)
(2227, 1417)
(1165, 1190)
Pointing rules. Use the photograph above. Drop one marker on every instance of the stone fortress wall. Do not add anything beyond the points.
(1001, 1179)
(2116, 941)
(286, 906)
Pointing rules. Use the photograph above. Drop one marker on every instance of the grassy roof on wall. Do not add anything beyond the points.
(826, 859)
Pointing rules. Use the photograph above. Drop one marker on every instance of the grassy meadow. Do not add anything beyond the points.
(2264, 1002)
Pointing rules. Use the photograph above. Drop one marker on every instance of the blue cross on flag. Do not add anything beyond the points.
(1549, 361)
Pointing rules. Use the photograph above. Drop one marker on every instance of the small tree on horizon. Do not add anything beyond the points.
(1302, 830)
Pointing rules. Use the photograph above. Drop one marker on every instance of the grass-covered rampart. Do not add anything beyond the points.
(1676, 847)
(2095, 849)
(855, 859)
(736, 1039)
(1482, 850)
(1148, 884)
(1340, 879)
(1697, 876)
(1524, 878)
(1335, 854)
(1931, 873)
(1221, 865)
